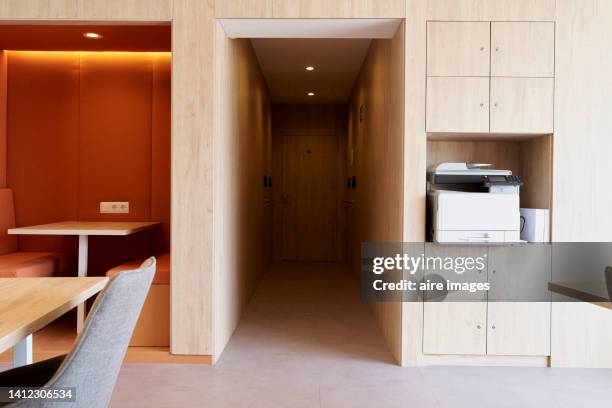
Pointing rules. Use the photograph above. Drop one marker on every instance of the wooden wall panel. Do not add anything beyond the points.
(582, 147)
(582, 144)
(504, 155)
(304, 121)
(491, 10)
(378, 143)
(100, 10)
(242, 117)
(38, 9)
(536, 170)
(3, 85)
(243, 8)
(338, 8)
(149, 10)
(192, 190)
(415, 155)
(309, 9)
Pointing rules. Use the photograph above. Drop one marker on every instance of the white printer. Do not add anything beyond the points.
(467, 203)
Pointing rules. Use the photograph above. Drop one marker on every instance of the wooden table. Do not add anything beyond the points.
(84, 229)
(29, 304)
(592, 292)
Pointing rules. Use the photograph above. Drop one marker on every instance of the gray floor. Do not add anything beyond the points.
(307, 340)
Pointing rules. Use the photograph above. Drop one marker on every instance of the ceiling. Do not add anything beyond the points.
(337, 63)
(310, 27)
(70, 37)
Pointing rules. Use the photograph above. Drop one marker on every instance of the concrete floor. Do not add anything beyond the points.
(307, 340)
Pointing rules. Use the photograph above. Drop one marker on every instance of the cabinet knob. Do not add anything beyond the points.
(482, 104)
(482, 48)
(496, 48)
(494, 271)
(478, 326)
(495, 104)
(493, 327)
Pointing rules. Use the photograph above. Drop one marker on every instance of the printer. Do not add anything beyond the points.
(470, 203)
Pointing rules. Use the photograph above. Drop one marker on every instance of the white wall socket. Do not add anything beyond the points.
(114, 207)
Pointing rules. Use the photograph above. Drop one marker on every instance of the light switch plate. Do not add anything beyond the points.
(114, 207)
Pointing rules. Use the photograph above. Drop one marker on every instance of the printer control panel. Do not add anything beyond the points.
(499, 180)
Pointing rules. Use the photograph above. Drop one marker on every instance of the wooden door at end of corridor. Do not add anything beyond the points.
(309, 198)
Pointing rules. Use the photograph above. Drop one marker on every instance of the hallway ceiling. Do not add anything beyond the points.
(337, 63)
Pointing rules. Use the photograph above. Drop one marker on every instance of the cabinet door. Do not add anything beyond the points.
(456, 325)
(519, 304)
(523, 49)
(458, 48)
(522, 105)
(457, 104)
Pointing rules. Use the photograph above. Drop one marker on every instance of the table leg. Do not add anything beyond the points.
(82, 271)
(22, 352)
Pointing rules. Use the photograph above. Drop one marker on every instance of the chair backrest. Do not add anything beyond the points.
(93, 364)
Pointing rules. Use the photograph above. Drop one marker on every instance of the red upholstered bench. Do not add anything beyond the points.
(14, 263)
(153, 327)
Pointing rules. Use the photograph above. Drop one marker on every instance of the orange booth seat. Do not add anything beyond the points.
(153, 327)
(14, 263)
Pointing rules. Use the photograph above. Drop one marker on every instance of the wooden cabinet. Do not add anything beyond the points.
(456, 325)
(523, 49)
(490, 77)
(522, 105)
(519, 272)
(457, 104)
(458, 48)
(494, 323)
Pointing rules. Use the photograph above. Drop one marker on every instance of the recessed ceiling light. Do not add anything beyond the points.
(309, 68)
(311, 93)
(93, 36)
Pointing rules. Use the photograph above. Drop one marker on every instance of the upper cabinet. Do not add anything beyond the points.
(458, 103)
(523, 49)
(521, 105)
(490, 77)
(458, 49)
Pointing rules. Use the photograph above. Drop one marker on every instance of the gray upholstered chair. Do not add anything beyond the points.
(92, 366)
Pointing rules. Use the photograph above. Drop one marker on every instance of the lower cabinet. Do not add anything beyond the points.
(456, 325)
(512, 320)
(518, 328)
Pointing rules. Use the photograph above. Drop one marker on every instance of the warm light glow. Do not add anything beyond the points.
(311, 93)
(310, 68)
(93, 36)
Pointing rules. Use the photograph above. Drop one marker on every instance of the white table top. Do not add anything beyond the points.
(85, 228)
(29, 304)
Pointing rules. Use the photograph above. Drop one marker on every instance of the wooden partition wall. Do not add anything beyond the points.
(375, 159)
(193, 124)
(242, 217)
(581, 141)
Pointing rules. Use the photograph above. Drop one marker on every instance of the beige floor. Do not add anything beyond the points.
(307, 340)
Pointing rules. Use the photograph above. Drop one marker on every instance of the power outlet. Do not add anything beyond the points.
(114, 207)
